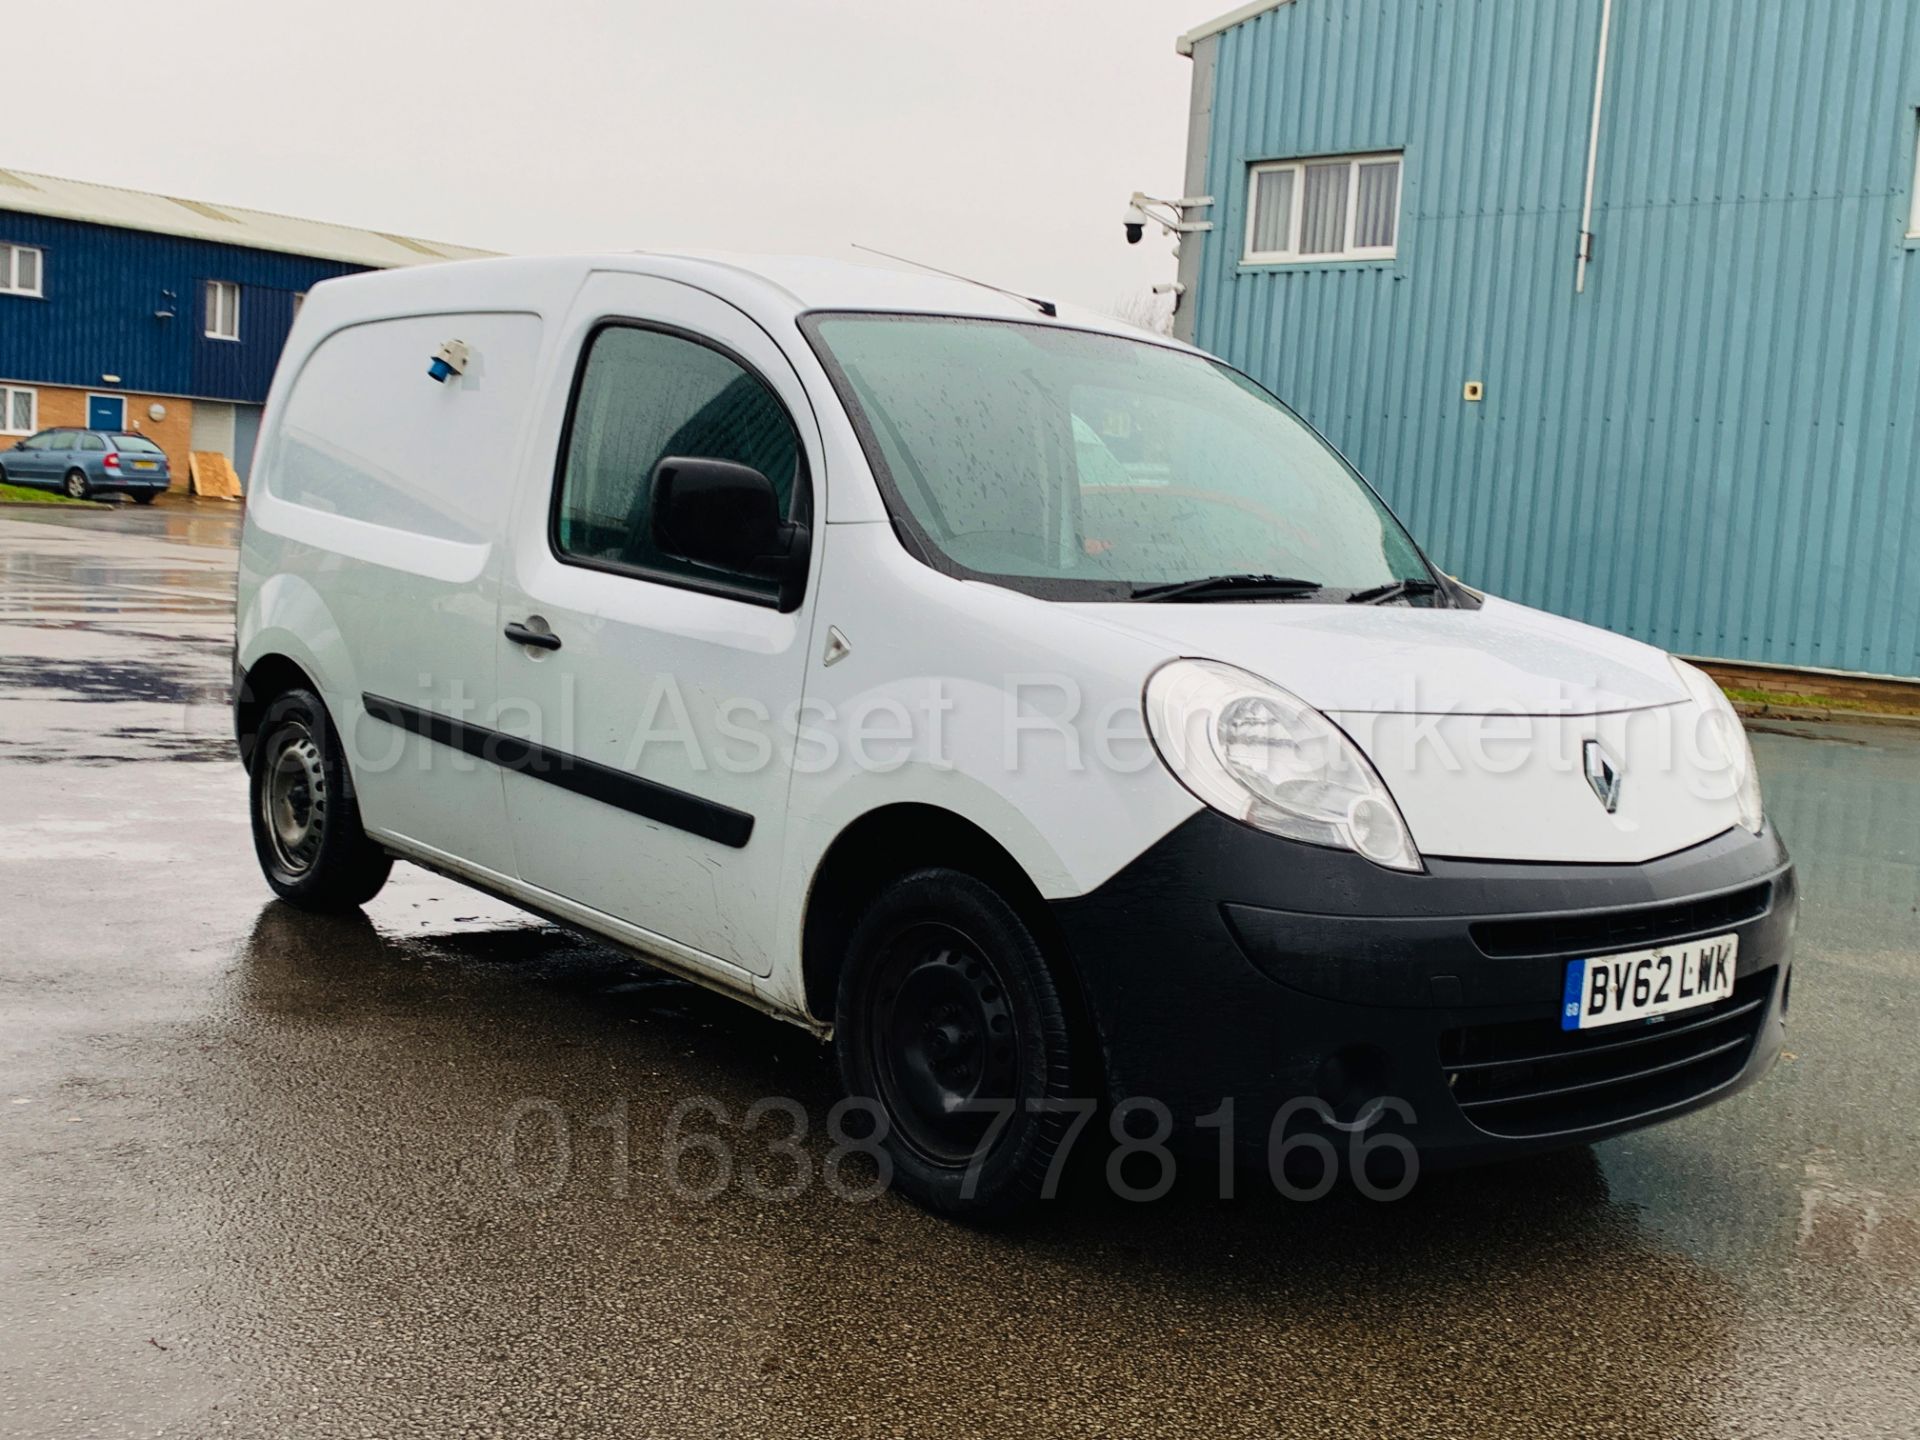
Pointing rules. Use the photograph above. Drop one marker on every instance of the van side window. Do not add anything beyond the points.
(642, 396)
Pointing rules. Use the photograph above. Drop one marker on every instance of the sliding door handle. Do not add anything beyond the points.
(540, 639)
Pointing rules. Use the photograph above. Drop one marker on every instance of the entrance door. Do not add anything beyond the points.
(106, 412)
(656, 696)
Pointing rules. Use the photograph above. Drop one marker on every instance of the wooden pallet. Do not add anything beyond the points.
(212, 474)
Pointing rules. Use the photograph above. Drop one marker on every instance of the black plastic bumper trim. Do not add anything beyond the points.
(1224, 963)
(1646, 1037)
(618, 788)
(1625, 1077)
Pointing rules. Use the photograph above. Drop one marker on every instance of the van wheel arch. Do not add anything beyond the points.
(257, 687)
(894, 841)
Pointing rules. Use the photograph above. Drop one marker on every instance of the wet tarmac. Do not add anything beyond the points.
(414, 1174)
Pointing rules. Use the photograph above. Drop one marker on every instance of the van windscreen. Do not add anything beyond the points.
(1078, 465)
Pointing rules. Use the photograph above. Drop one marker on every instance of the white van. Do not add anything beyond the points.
(1036, 708)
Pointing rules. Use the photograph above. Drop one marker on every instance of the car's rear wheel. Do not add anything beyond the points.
(77, 485)
(306, 823)
(951, 1023)
(145, 497)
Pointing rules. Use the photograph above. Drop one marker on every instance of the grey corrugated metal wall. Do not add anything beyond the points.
(1713, 447)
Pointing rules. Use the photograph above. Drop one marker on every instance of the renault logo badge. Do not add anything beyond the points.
(1602, 775)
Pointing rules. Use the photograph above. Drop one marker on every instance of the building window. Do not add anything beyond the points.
(223, 310)
(19, 410)
(19, 270)
(1338, 207)
(1913, 215)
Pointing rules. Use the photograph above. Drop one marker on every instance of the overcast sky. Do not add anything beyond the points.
(989, 136)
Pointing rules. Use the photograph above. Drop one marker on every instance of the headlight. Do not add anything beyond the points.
(1250, 750)
(1723, 742)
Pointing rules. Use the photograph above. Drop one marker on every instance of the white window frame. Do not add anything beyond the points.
(10, 271)
(214, 295)
(7, 392)
(1913, 214)
(94, 395)
(1291, 255)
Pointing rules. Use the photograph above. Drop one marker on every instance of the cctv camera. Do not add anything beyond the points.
(1136, 224)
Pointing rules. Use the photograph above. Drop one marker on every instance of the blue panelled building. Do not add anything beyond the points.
(121, 310)
(1617, 301)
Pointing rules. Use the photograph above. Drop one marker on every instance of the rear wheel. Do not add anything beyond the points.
(306, 823)
(77, 486)
(145, 497)
(950, 1023)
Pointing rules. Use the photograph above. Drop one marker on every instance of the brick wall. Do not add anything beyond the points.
(169, 434)
(60, 406)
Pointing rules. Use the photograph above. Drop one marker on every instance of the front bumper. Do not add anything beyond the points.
(1226, 963)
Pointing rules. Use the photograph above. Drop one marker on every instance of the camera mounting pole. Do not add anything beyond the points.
(1169, 215)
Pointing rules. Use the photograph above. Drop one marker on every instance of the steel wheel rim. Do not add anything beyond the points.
(77, 485)
(293, 799)
(945, 1042)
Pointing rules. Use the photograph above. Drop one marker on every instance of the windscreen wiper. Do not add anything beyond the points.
(1229, 587)
(1392, 590)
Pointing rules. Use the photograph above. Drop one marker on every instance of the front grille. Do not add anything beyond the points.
(1592, 934)
(1533, 1078)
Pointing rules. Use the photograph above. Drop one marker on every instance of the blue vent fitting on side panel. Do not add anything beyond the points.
(449, 359)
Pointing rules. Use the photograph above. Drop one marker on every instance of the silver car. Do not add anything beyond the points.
(85, 463)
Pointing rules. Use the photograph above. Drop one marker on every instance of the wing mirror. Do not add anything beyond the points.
(727, 516)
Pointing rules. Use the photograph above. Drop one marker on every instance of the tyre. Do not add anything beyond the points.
(145, 497)
(947, 1015)
(306, 823)
(77, 486)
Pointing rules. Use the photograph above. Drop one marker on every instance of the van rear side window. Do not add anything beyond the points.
(644, 395)
(367, 436)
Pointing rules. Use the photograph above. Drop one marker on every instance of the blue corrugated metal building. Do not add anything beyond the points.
(122, 309)
(1705, 434)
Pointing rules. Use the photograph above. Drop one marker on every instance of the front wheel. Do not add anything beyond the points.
(306, 823)
(950, 1022)
(77, 486)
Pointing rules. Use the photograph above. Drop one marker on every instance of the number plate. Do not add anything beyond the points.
(1612, 989)
(145, 464)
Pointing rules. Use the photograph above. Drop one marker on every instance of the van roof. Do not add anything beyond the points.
(790, 283)
(817, 283)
